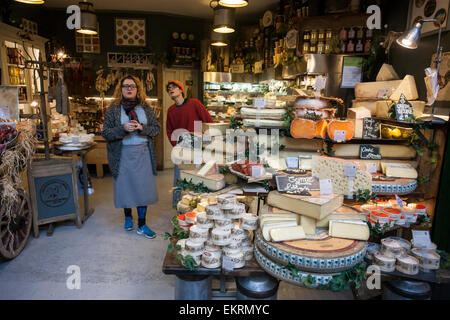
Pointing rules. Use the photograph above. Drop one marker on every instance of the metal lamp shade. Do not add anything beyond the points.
(88, 19)
(224, 19)
(218, 39)
(234, 3)
(31, 1)
(410, 38)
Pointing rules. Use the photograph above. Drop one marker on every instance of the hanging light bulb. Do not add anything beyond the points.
(234, 3)
(31, 1)
(88, 18)
(218, 39)
(224, 19)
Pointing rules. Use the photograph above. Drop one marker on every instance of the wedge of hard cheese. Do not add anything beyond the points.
(287, 234)
(315, 206)
(269, 226)
(370, 90)
(333, 168)
(358, 113)
(270, 220)
(349, 229)
(342, 213)
(387, 73)
(213, 182)
(209, 168)
(386, 151)
(406, 87)
(369, 104)
(399, 170)
(308, 224)
(383, 106)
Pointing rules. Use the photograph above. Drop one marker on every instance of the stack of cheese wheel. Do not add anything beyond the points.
(428, 259)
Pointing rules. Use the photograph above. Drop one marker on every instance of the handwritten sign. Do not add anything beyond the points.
(369, 152)
(403, 109)
(371, 128)
(296, 184)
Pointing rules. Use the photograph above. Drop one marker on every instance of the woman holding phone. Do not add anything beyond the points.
(128, 128)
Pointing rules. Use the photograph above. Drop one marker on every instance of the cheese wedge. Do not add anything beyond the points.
(370, 90)
(369, 104)
(308, 224)
(201, 207)
(383, 106)
(400, 171)
(342, 213)
(406, 87)
(358, 113)
(349, 229)
(271, 220)
(341, 125)
(269, 226)
(213, 182)
(209, 168)
(315, 206)
(186, 199)
(287, 234)
(387, 73)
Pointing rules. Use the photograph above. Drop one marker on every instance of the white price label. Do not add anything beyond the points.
(371, 167)
(325, 186)
(350, 171)
(4, 112)
(399, 201)
(339, 135)
(421, 238)
(321, 83)
(259, 103)
(383, 94)
(257, 172)
(198, 159)
(227, 263)
(292, 162)
(75, 139)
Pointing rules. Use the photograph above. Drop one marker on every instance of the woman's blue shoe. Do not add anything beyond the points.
(146, 231)
(128, 223)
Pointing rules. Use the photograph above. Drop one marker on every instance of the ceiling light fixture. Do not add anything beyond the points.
(218, 39)
(88, 18)
(31, 1)
(234, 3)
(224, 21)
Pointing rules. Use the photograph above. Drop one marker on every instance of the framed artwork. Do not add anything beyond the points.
(87, 43)
(29, 26)
(130, 32)
(429, 9)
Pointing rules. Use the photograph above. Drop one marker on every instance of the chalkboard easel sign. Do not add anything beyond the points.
(369, 152)
(54, 192)
(296, 184)
(403, 109)
(371, 128)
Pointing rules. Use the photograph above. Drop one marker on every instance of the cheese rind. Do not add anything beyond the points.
(369, 104)
(308, 224)
(213, 182)
(400, 171)
(287, 234)
(343, 213)
(370, 90)
(269, 226)
(315, 206)
(271, 220)
(386, 151)
(406, 87)
(349, 229)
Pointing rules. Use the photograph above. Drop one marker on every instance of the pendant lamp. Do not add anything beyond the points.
(224, 19)
(234, 3)
(31, 1)
(88, 19)
(218, 39)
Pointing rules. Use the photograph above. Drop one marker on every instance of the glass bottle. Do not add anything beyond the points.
(313, 36)
(359, 48)
(305, 48)
(360, 33)
(350, 47)
(321, 35)
(321, 47)
(328, 47)
(343, 34)
(351, 34)
(307, 35)
(312, 48)
(329, 34)
(342, 46)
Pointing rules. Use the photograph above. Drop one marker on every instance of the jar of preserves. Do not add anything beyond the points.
(313, 36)
(321, 35)
(329, 34)
(359, 48)
(307, 35)
(328, 47)
(321, 47)
(312, 48)
(305, 48)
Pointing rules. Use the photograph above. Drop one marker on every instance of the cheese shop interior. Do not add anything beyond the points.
(321, 137)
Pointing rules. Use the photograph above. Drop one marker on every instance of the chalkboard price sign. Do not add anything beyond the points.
(371, 128)
(367, 151)
(296, 184)
(403, 109)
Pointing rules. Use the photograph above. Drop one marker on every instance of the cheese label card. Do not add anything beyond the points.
(296, 184)
(371, 128)
(258, 103)
(371, 167)
(339, 135)
(321, 83)
(369, 152)
(399, 201)
(4, 112)
(326, 187)
(350, 171)
(227, 263)
(292, 162)
(403, 109)
(257, 172)
(421, 238)
(383, 94)
(198, 159)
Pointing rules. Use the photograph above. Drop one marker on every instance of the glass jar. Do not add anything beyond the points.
(307, 35)
(312, 48)
(343, 34)
(305, 48)
(321, 35)
(321, 47)
(351, 34)
(329, 34)
(342, 46)
(369, 34)
(328, 47)
(313, 36)
(360, 33)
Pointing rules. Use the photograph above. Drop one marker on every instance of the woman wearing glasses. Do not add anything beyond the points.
(128, 128)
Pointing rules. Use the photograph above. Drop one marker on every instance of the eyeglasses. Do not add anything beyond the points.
(171, 87)
(129, 86)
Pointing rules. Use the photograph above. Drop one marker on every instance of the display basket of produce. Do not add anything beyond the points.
(8, 137)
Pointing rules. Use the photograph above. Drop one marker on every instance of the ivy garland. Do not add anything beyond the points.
(376, 230)
(364, 196)
(189, 185)
(288, 117)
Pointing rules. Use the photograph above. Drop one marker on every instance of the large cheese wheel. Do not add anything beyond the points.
(341, 125)
(303, 128)
(321, 128)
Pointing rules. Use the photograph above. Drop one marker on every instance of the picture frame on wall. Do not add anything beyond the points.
(429, 9)
(130, 32)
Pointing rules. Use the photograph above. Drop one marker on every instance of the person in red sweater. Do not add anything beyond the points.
(182, 115)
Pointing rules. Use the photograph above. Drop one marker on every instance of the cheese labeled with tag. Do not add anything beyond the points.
(386, 151)
(287, 234)
(308, 224)
(383, 106)
(349, 229)
(315, 206)
(334, 168)
(406, 87)
(213, 182)
(269, 226)
(371, 89)
(341, 125)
